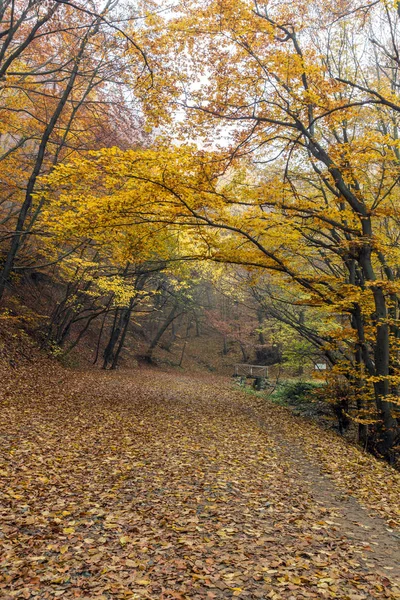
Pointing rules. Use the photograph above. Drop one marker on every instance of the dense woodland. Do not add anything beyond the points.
(171, 170)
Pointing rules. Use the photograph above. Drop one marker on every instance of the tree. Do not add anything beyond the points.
(63, 69)
(312, 96)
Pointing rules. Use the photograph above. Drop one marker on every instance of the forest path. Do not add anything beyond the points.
(152, 485)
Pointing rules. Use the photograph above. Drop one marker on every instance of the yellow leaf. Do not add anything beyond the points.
(123, 540)
(69, 530)
(221, 533)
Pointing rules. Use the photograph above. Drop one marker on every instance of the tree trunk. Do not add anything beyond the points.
(114, 334)
(126, 317)
(171, 317)
(25, 208)
(359, 385)
(388, 427)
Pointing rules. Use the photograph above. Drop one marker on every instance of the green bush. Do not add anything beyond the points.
(296, 392)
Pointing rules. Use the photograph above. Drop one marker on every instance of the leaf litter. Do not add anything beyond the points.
(154, 485)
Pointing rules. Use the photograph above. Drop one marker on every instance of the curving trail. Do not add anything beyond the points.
(160, 486)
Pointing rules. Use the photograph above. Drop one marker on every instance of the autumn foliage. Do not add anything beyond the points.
(268, 142)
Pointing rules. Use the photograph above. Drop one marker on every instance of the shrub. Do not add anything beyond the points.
(296, 392)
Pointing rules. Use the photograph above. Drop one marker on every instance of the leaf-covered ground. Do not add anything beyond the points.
(153, 485)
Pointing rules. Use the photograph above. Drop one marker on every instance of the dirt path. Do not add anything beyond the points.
(352, 519)
(158, 486)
